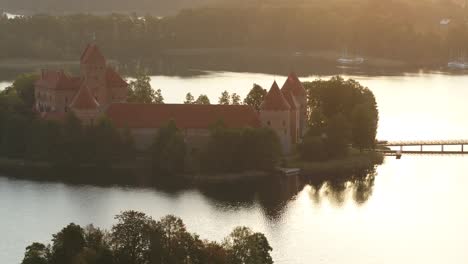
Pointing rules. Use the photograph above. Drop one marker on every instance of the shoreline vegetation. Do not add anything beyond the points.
(134, 174)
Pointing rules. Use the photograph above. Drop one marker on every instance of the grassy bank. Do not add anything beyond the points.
(355, 161)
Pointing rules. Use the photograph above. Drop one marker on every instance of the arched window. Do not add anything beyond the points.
(269, 123)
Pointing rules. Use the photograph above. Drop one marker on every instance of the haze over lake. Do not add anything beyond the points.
(415, 210)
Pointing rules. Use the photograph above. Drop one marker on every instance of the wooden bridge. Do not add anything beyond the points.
(456, 147)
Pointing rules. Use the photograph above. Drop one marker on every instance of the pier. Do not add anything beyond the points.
(421, 147)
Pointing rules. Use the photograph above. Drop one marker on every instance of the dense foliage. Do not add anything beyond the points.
(140, 91)
(231, 150)
(168, 151)
(342, 113)
(255, 97)
(399, 29)
(202, 99)
(138, 239)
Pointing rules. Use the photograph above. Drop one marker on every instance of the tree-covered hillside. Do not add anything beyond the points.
(394, 29)
(167, 7)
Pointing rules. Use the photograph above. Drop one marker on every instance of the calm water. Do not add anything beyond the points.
(414, 211)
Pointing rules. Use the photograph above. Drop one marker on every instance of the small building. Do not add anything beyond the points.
(101, 91)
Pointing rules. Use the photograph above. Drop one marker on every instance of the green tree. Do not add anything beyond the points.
(130, 240)
(244, 246)
(105, 142)
(225, 98)
(214, 253)
(97, 249)
(24, 86)
(128, 150)
(189, 99)
(67, 244)
(343, 112)
(140, 91)
(235, 99)
(364, 126)
(70, 147)
(36, 253)
(255, 97)
(41, 137)
(338, 136)
(203, 100)
(159, 99)
(171, 243)
(13, 141)
(168, 150)
(231, 150)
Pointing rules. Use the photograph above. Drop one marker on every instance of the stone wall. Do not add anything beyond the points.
(280, 122)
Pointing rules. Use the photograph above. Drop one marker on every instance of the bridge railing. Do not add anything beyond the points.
(423, 143)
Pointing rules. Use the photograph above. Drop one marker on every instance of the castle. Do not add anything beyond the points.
(101, 91)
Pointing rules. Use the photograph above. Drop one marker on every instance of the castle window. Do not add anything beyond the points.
(268, 123)
(284, 123)
(285, 132)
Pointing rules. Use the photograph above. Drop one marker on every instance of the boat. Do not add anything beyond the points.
(458, 64)
(350, 60)
(345, 59)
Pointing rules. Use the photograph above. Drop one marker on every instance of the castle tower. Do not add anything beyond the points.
(293, 116)
(294, 86)
(85, 106)
(275, 114)
(93, 72)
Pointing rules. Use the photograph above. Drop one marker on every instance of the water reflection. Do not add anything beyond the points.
(338, 189)
(275, 193)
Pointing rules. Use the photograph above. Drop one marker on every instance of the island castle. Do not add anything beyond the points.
(101, 91)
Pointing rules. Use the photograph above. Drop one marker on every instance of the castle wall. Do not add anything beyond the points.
(280, 122)
(87, 117)
(195, 138)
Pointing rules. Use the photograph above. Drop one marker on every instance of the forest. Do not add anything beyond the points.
(138, 239)
(398, 29)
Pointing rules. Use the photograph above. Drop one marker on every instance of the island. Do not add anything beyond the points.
(97, 127)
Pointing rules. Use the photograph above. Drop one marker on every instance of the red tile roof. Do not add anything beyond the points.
(290, 98)
(83, 100)
(274, 100)
(185, 116)
(294, 85)
(113, 79)
(58, 80)
(92, 54)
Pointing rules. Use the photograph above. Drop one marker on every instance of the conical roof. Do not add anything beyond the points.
(274, 100)
(294, 85)
(84, 100)
(92, 54)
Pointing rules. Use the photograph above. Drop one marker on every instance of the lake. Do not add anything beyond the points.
(413, 211)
